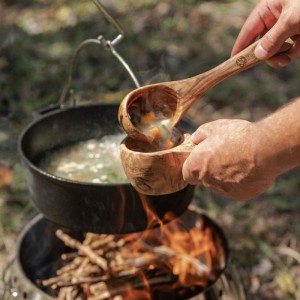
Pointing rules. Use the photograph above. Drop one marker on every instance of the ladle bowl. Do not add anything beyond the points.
(172, 99)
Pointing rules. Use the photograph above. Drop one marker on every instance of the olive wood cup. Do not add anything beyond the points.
(155, 172)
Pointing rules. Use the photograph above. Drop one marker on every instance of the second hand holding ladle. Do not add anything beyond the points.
(172, 99)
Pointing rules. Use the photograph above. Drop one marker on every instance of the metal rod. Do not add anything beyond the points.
(110, 19)
(66, 89)
(99, 41)
(107, 44)
(123, 62)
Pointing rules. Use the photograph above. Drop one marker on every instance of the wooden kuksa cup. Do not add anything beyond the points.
(155, 173)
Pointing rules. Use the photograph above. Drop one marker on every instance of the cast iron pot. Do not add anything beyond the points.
(99, 208)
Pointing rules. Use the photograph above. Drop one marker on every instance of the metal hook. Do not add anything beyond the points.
(124, 63)
(107, 44)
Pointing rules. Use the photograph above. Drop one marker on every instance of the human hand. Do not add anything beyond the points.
(229, 159)
(276, 21)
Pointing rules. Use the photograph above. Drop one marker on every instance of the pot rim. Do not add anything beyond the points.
(35, 220)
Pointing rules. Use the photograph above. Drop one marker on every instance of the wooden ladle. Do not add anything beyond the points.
(172, 99)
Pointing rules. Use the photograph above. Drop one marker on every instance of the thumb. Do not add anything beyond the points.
(195, 166)
(272, 41)
(200, 134)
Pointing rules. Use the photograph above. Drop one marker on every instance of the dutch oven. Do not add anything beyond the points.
(93, 207)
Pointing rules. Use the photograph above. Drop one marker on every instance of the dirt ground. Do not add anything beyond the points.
(164, 40)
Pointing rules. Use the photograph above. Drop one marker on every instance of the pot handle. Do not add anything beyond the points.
(107, 44)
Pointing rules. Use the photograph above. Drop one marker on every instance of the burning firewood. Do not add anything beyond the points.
(107, 266)
(94, 258)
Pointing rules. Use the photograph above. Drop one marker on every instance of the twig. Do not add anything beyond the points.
(114, 287)
(199, 267)
(101, 262)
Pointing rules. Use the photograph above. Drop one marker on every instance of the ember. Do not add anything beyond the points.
(184, 256)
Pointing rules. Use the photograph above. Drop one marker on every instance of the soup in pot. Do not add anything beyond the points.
(95, 161)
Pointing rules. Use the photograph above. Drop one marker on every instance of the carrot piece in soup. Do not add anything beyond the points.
(148, 118)
(73, 179)
(155, 132)
(168, 144)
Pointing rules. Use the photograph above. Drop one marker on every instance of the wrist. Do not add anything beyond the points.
(279, 139)
(269, 157)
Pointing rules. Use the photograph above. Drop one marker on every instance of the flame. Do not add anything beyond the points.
(136, 295)
(183, 255)
(193, 253)
(152, 219)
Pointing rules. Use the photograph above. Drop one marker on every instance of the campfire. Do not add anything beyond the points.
(176, 260)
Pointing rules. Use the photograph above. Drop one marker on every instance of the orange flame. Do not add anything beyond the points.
(193, 253)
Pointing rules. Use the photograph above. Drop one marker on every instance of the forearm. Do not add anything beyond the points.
(280, 138)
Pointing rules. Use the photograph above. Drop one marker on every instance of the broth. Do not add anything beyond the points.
(96, 161)
(157, 130)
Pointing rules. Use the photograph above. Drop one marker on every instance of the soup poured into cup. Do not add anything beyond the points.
(158, 130)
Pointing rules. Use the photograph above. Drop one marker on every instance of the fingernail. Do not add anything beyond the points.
(193, 136)
(184, 172)
(260, 52)
(282, 64)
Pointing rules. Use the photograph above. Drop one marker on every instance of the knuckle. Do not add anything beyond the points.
(291, 19)
(210, 126)
(202, 131)
(269, 41)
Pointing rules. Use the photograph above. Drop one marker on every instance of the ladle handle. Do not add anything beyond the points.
(200, 84)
